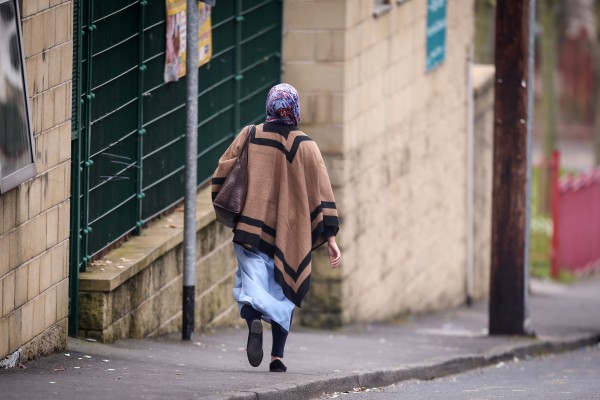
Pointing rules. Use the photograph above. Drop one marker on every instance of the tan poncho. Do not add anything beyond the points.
(290, 209)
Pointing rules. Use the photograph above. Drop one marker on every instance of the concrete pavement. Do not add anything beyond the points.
(576, 155)
(573, 375)
(214, 365)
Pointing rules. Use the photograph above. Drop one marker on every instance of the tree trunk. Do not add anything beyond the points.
(485, 11)
(549, 109)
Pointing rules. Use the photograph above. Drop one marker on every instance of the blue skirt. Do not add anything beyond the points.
(255, 285)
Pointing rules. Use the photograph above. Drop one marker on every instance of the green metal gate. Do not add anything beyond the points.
(129, 126)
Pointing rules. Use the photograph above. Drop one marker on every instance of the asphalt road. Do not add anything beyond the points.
(574, 375)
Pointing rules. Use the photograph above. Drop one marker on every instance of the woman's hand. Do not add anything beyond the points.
(335, 255)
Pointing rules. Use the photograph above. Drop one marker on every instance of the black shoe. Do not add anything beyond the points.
(277, 366)
(254, 347)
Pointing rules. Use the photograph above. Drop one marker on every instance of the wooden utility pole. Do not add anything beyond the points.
(507, 312)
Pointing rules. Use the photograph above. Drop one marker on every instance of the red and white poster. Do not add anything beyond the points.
(176, 38)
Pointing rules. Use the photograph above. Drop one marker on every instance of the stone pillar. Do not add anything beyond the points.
(394, 141)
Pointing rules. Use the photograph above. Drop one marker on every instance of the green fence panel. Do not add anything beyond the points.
(129, 126)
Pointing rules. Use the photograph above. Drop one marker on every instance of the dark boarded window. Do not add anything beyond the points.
(16, 143)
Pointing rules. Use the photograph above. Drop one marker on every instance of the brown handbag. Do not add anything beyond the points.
(230, 200)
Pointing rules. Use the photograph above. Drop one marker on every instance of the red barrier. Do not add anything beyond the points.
(576, 216)
(555, 168)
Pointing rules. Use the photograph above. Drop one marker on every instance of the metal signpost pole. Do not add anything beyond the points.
(191, 151)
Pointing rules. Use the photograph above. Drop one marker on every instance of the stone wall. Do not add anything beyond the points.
(314, 59)
(34, 217)
(135, 290)
(483, 85)
(394, 139)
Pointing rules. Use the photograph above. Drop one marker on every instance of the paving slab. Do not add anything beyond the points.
(214, 365)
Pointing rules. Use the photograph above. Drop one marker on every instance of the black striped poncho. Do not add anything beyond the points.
(290, 209)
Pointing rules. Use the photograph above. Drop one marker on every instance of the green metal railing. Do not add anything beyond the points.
(129, 126)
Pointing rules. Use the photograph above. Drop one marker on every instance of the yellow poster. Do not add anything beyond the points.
(176, 38)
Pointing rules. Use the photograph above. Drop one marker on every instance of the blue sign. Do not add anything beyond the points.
(436, 33)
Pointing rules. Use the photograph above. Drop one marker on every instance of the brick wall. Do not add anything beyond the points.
(394, 139)
(34, 222)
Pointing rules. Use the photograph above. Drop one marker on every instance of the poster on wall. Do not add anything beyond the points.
(16, 141)
(176, 38)
(436, 33)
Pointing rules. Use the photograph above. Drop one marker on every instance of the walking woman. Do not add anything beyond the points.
(289, 212)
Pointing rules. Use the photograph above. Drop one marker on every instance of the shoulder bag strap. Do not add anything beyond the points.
(244, 154)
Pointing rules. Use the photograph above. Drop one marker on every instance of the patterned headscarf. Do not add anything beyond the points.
(283, 105)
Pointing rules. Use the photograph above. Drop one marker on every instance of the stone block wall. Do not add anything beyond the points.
(34, 217)
(315, 62)
(394, 140)
(483, 96)
(135, 290)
